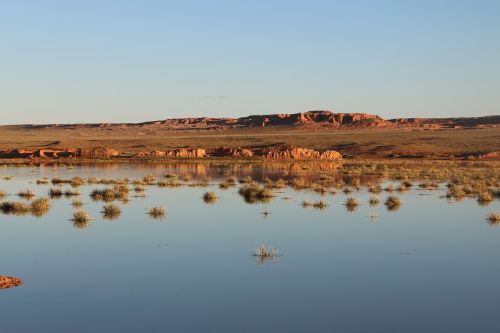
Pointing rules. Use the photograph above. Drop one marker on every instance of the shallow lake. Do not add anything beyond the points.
(430, 266)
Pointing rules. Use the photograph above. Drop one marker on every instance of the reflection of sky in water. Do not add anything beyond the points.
(194, 272)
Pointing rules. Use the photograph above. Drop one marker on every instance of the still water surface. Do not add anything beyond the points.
(431, 266)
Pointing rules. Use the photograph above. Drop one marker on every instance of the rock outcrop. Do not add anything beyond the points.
(293, 153)
(492, 155)
(232, 152)
(97, 152)
(185, 153)
(9, 282)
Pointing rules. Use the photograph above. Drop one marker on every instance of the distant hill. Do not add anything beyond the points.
(308, 120)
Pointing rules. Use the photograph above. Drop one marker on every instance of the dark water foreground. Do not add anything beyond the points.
(430, 266)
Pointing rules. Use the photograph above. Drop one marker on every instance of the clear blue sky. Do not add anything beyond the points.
(96, 61)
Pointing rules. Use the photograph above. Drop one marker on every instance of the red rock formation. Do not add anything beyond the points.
(232, 152)
(492, 155)
(298, 153)
(186, 153)
(97, 152)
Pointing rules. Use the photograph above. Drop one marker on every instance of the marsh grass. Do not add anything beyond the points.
(392, 203)
(210, 197)
(26, 194)
(81, 219)
(485, 198)
(320, 204)
(265, 253)
(16, 208)
(77, 181)
(43, 181)
(77, 203)
(3, 194)
(351, 204)
(111, 211)
(253, 192)
(71, 193)
(494, 218)
(40, 206)
(157, 212)
(55, 192)
(374, 201)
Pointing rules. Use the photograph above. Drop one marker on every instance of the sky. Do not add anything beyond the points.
(130, 61)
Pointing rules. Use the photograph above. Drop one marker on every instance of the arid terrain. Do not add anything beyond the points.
(317, 135)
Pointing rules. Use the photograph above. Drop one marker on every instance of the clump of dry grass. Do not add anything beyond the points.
(374, 201)
(77, 203)
(26, 194)
(55, 193)
(40, 206)
(17, 208)
(77, 181)
(351, 204)
(494, 218)
(252, 192)
(71, 193)
(81, 219)
(156, 212)
(265, 252)
(111, 211)
(42, 181)
(485, 198)
(392, 203)
(375, 189)
(210, 197)
(3, 194)
(118, 192)
(139, 188)
(320, 204)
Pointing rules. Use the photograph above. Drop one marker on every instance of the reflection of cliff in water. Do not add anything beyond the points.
(308, 171)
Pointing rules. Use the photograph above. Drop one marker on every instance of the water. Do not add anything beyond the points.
(431, 266)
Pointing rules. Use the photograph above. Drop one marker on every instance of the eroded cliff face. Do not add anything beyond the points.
(280, 152)
(309, 120)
